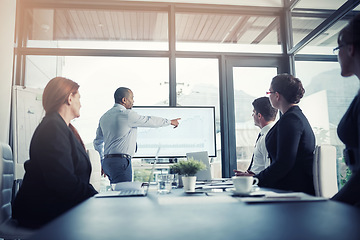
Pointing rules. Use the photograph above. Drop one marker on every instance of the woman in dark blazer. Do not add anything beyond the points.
(290, 142)
(58, 172)
(349, 126)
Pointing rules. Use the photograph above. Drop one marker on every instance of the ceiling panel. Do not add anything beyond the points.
(320, 4)
(262, 3)
(80, 24)
(222, 28)
(75, 24)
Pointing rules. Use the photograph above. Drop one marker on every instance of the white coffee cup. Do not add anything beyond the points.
(243, 184)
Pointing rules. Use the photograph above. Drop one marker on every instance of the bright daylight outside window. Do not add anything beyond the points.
(247, 87)
(332, 95)
(198, 85)
(98, 78)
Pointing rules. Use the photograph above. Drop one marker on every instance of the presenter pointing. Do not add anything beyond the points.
(116, 135)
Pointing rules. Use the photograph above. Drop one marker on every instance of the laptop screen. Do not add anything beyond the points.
(203, 175)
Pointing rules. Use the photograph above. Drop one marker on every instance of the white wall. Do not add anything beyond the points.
(7, 31)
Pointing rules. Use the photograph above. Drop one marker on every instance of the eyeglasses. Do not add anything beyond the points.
(336, 50)
(268, 93)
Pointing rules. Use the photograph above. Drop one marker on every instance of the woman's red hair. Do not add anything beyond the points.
(56, 94)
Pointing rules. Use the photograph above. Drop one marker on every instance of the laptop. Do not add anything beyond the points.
(203, 175)
(125, 190)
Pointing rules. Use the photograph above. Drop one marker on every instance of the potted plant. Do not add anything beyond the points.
(188, 169)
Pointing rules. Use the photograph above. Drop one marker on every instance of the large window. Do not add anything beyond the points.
(40, 69)
(249, 83)
(197, 84)
(325, 42)
(98, 78)
(172, 53)
(326, 99)
(307, 16)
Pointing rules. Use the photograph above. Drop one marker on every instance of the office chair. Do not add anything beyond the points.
(324, 171)
(9, 228)
(95, 177)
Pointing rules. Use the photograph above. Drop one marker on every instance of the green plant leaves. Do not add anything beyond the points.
(188, 168)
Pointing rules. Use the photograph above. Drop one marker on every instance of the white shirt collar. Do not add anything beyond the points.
(267, 128)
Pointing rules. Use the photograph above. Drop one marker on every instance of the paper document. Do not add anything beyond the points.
(215, 185)
(269, 196)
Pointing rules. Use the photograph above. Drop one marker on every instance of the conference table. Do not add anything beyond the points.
(203, 216)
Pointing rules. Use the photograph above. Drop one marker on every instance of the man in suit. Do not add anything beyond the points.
(264, 117)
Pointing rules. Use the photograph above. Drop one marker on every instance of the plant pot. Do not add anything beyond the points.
(189, 183)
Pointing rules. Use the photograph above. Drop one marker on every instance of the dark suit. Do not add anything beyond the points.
(349, 133)
(57, 174)
(290, 144)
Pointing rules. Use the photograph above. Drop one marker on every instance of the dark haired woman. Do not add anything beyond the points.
(349, 126)
(58, 172)
(290, 142)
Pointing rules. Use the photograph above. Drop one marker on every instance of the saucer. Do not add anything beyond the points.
(193, 192)
(239, 194)
(249, 194)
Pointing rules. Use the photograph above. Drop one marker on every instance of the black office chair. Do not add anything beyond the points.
(9, 228)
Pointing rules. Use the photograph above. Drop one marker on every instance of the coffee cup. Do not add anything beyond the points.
(243, 184)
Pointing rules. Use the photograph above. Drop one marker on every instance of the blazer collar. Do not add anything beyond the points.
(79, 146)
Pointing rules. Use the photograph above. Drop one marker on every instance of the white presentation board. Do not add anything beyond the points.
(196, 132)
(27, 114)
